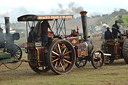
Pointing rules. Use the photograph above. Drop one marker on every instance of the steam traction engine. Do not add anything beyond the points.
(10, 53)
(116, 48)
(61, 51)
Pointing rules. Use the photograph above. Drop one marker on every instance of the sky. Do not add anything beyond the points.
(15, 8)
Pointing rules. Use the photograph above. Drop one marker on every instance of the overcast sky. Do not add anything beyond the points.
(59, 6)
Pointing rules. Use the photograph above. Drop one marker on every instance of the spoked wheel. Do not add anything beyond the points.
(97, 59)
(15, 51)
(33, 62)
(16, 55)
(12, 65)
(61, 56)
(80, 62)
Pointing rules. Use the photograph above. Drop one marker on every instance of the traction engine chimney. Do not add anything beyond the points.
(7, 25)
(84, 24)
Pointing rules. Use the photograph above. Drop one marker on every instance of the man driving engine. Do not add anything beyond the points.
(115, 30)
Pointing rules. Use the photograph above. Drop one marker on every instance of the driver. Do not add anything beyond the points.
(44, 29)
(115, 29)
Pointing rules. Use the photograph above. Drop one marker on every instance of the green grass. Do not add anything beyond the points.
(125, 19)
(115, 74)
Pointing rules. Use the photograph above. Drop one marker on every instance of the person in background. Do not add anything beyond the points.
(77, 30)
(108, 34)
(115, 30)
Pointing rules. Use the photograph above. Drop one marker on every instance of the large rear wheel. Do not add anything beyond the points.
(61, 56)
(125, 50)
(33, 62)
(39, 69)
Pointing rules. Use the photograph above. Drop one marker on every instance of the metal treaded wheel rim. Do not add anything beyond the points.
(97, 59)
(61, 56)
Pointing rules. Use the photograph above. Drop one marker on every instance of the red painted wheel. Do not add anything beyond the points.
(97, 59)
(61, 56)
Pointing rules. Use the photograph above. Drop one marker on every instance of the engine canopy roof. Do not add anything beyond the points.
(30, 17)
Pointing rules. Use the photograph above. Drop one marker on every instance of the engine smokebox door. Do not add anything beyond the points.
(82, 49)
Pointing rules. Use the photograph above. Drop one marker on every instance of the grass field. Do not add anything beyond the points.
(114, 74)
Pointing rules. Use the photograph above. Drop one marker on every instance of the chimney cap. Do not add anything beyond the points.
(6, 17)
(83, 13)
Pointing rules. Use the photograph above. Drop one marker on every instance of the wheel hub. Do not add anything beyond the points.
(97, 59)
(61, 56)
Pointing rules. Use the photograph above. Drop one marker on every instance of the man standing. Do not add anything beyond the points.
(44, 28)
(108, 34)
(115, 30)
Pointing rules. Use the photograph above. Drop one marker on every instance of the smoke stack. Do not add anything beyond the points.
(7, 25)
(84, 24)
